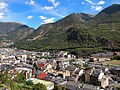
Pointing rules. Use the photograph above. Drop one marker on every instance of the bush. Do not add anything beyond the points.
(20, 78)
(30, 83)
(59, 87)
(39, 87)
(1, 85)
(116, 58)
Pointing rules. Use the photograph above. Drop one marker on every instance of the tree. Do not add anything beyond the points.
(30, 83)
(59, 87)
(20, 78)
(116, 58)
(35, 65)
(4, 77)
(39, 87)
(118, 88)
(12, 84)
(24, 87)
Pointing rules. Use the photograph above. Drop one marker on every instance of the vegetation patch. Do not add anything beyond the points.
(114, 62)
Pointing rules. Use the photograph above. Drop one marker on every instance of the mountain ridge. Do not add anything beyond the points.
(108, 15)
(70, 20)
(82, 34)
(14, 30)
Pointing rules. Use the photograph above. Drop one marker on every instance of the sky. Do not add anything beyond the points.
(35, 13)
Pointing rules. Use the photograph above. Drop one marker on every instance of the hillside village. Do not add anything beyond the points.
(61, 68)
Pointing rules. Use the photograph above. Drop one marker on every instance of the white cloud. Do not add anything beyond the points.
(92, 7)
(29, 17)
(50, 20)
(42, 23)
(54, 3)
(3, 5)
(42, 17)
(3, 9)
(2, 15)
(47, 8)
(83, 3)
(101, 2)
(30, 3)
(90, 2)
(97, 8)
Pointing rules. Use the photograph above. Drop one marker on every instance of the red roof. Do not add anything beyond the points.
(42, 75)
(42, 65)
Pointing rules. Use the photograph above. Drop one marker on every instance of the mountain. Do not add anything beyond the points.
(80, 34)
(109, 15)
(14, 31)
(61, 25)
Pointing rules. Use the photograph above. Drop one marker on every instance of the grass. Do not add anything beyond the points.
(114, 62)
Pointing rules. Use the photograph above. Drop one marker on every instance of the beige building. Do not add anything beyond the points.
(65, 73)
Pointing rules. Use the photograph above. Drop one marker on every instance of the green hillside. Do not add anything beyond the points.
(14, 31)
(80, 34)
(109, 15)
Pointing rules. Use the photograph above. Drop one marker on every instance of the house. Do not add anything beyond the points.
(69, 56)
(42, 65)
(115, 78)
(60, 81)
(26, 71)
(93, 59)
(48, 77)
(22, 57)
(79, 62)
(2, 57)
(65, 73)
(48, 66)
(79, 72)
(95, 77)
(62, 53)
(78, 86)
(88, 76)
(50, 71)
(54, 64)
(44, 54)
(16, 61)
(41, 76)
(117, 53)
(104, 59)
(99, 78)
(104, 81)
(58, 66)
(10, 60)
(115, 71)
(65, 64)
(71, 69)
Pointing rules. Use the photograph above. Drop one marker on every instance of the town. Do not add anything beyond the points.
(27, 69)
